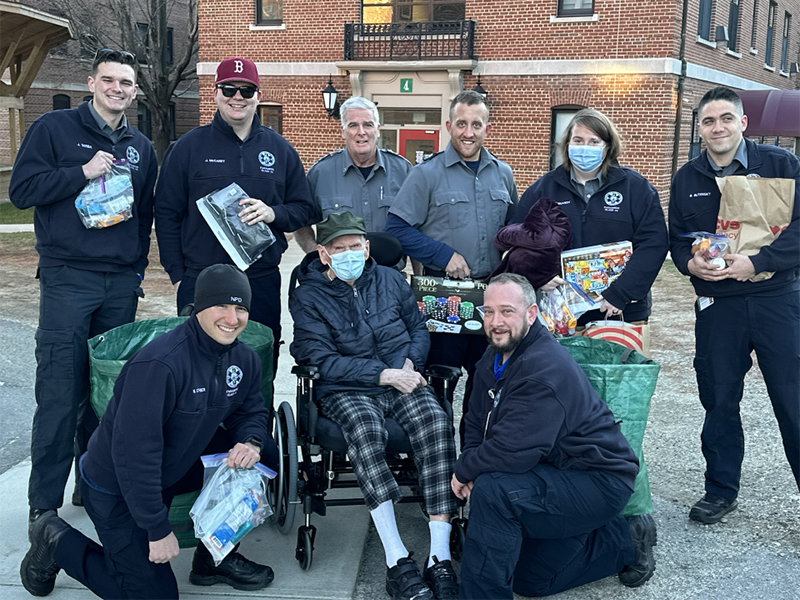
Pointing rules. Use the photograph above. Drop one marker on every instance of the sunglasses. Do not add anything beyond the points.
(229, 91)
(118, 56)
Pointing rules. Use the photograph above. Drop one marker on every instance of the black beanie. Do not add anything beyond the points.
(221, 284)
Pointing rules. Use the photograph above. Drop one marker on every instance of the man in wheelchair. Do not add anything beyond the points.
(359, 323)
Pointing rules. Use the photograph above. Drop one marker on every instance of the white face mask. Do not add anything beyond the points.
(347, 265)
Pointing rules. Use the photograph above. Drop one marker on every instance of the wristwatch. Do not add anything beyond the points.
(255, 442)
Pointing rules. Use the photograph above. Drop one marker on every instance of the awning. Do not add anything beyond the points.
(772, 112)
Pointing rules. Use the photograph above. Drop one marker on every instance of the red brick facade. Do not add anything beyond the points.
(623, 61)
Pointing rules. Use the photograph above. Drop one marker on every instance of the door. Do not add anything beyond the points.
(418, 144)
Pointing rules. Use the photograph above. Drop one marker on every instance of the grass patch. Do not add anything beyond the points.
(11, 215)
(17, 245)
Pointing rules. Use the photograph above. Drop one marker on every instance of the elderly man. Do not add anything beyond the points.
(233, 148)
(448, 211)
(730, 306)
(359, 178)
(545, 466)
(360, 324)
(168, 403)
(89, 279)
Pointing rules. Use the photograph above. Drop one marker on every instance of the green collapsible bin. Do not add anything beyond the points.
(109, 351)
(626, 380)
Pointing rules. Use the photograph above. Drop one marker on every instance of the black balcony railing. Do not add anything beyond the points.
(430, 40)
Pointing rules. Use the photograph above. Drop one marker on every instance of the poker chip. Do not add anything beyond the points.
(453, 305)
(467, 310)
(422, 309)
(453, 319)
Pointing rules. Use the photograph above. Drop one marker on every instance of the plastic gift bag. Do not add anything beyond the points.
(244, 243)
(108, 199)
(711, 246)
(232, 502)
(559, 309)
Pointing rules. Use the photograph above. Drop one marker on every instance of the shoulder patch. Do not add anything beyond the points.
(432, 155)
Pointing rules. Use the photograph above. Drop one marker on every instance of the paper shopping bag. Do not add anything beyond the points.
(636, 337)
(752, 213)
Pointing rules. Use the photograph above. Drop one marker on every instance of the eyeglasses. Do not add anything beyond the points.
(118, 56)
(229, 91)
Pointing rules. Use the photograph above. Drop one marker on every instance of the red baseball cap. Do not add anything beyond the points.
(237, 69)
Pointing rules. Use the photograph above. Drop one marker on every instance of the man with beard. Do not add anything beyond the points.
(545, 466)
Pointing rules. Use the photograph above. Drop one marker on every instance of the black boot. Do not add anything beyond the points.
(33, 515)
(235, 570)
(644, 535)
(39, 569)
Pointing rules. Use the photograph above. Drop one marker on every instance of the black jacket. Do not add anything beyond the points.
(168, 401)
(626, 207)
(47, 174)
(694, 206)
(208, 159)
(352, 333)
(547, 412)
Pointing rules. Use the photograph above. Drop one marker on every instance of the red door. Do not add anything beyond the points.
(418, 144)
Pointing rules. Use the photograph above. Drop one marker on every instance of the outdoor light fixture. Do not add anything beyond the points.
(329, 95)
(721, 34)
(792, 68)
(479, 89)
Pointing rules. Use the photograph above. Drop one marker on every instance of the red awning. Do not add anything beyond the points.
(772, 112)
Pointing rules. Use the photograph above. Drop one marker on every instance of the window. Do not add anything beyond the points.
(269, 12)
(410, 11)
(60, 101)
(773, 8)
(575, 8)
(560, 118)
(694, 139)
(143, 122)
(142, 42)
(733, 26)
(755, 23)
(787, 25)
(271, 115)
(704, 20)
(171, 124)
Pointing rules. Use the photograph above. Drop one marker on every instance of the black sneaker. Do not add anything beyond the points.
(643, 532)
(441, 578)
(39, 569)
(33, 515)
(710, 509)
(235, 570)
(404, 582)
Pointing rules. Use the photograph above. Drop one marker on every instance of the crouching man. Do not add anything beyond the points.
(359, 323)
(168, 403)
(545, 466)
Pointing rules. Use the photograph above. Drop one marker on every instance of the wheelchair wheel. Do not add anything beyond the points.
(304, 552)
(282, 489)
(458, 534)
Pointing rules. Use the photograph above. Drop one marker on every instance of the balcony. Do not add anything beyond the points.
(410, 41)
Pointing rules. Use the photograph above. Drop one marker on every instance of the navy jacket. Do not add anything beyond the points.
(694, 206)
(547, 412)
(47, 174)
(208, 159)
(626, 207)
(352, 333)
(168, 401)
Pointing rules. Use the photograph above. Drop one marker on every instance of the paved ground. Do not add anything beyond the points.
(753, 555)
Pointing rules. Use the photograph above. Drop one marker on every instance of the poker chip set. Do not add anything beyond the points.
(455, 312)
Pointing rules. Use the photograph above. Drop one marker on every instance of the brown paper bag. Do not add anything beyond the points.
(752, 213)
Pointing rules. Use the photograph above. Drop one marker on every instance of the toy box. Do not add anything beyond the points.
(593, 268)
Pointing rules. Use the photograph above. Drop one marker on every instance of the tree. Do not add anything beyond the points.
(145, 28)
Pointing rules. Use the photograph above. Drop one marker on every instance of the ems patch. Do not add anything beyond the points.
(233, 377)
(613, 199)
(132, 154)
(266, 158)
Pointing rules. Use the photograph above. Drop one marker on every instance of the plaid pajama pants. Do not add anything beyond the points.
(428, 427)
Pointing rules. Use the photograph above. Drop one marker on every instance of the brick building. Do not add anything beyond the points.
(539, 60)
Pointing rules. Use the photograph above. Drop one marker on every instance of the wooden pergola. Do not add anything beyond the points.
(26, 36)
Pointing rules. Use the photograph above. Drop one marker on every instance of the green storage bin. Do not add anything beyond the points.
(626, 380)
(109, 351)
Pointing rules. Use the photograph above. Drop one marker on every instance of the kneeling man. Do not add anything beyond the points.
(545, 466)
(168, 403)
(359, 323)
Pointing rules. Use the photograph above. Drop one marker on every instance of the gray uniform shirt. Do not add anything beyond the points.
(337, 185)
(450, 204)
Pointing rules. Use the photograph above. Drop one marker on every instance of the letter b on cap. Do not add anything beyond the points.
(238, 66)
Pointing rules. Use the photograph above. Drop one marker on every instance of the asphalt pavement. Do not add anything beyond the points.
(754, 554)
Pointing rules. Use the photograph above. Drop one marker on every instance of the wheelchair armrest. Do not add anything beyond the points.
(307, 371)
(444, 372)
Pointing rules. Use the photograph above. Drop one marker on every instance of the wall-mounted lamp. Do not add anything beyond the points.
(793, 68)
(479, 89)
(329, 95)
(721, 34)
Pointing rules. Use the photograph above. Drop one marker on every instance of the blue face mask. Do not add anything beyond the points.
(586, 158)
(348, 265)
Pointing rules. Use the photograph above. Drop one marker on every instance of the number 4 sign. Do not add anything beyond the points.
(406, 86)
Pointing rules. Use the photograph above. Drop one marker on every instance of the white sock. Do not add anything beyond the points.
(440, 541)
(386, 525)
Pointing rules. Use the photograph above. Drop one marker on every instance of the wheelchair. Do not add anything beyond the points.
(304, 481)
